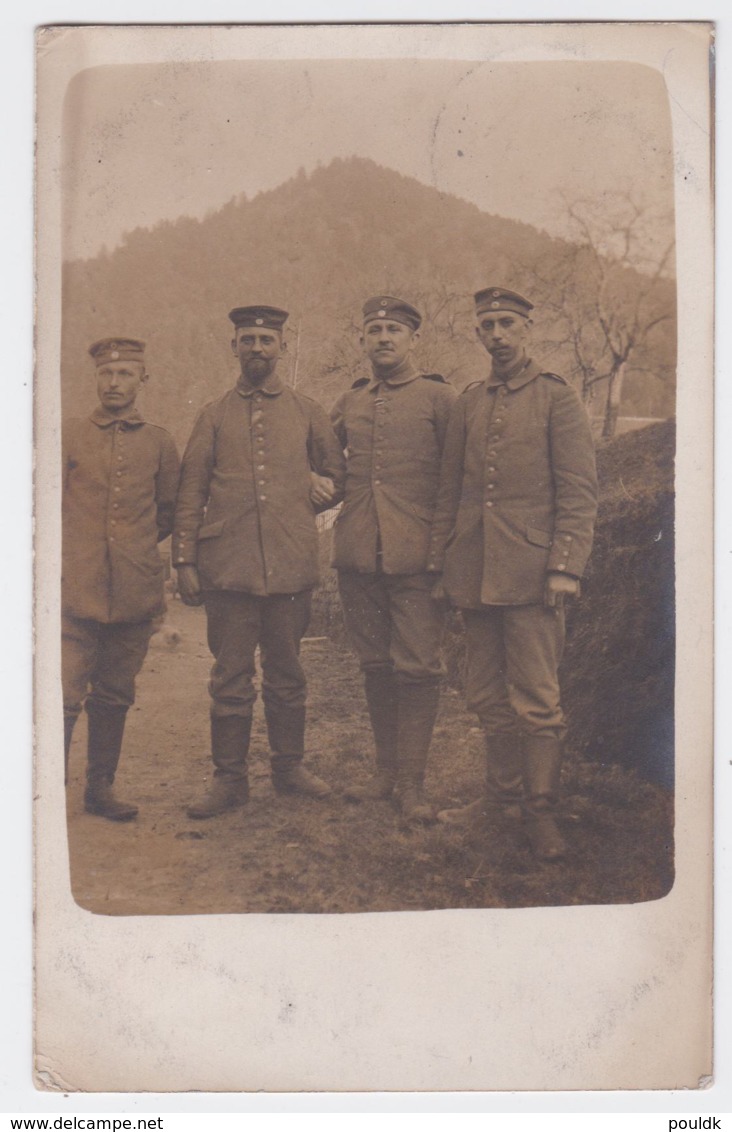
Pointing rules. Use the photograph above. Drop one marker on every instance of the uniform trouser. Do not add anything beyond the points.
(237, 623)
(99, 663)
(513, 654)
(394, 623)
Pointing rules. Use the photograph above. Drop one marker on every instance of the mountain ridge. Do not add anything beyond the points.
(318, 245)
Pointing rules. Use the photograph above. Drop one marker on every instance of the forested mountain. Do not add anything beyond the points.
(318, 246)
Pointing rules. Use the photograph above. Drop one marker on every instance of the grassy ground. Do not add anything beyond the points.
(296, 855)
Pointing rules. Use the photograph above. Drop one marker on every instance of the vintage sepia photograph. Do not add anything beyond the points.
(364, 475)
(382, 266)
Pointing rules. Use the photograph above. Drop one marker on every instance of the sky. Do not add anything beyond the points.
(145, 142)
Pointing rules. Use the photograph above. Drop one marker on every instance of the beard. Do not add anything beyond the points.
(257, 369)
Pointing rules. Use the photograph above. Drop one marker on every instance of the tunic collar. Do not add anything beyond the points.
(103, 419)
(527, 372)
(400, 376)
(272, 386)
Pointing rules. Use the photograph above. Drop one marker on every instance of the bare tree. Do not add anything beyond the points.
(448, 343)
(609, 292)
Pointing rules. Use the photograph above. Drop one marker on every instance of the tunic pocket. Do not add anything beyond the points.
(537, 537)
(425, 513)
(211, 530)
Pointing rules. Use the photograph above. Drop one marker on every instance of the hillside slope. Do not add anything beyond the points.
(318, 246)
(619, 665)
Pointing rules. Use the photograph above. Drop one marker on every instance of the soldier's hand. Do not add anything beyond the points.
(322, 489)
(557, 588)
(189, 585)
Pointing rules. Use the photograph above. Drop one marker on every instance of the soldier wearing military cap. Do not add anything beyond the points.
(246, 546)
(119, 481)
(512, 535)
(393, 426)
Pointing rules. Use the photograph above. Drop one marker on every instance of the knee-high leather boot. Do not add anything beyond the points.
(383, 704)
(286, 729)
(500, 803)
(229, 789)
(418, 704)
(543, 764)
(106, 728)
(69, 724)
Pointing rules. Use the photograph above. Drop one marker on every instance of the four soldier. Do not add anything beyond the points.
(487, 499)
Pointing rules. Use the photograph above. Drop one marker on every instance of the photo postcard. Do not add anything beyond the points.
(373, 439)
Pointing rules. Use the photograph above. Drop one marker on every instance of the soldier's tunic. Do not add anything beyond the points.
(394, 431)
(518, 499)
(244, 518)
(120, 476)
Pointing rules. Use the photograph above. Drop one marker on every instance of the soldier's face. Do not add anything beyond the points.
(504, 335)
(118, 384)
(257, 349)
(388, 343)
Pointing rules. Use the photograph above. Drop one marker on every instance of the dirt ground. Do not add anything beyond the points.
(282, 854)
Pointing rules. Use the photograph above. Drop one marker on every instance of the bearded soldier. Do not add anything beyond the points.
(246, 546)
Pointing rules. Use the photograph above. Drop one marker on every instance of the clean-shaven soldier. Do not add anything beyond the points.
(120, 476)
(512, 533)
(393, 427)
(246, 546)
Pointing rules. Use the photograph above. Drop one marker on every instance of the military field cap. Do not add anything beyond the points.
(270, 317)
(396, 309)
(117, 350)
(499, 299)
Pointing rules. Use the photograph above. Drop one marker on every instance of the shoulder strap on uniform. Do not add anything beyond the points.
(435, 377)
(360, 382)
(471, 385)
(555, 377)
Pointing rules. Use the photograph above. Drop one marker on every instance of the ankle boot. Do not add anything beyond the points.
(286, 729)
(381, 699)
(418, 705)
(106, 728)
(543, 763)
(500, 803)
(229, 789)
